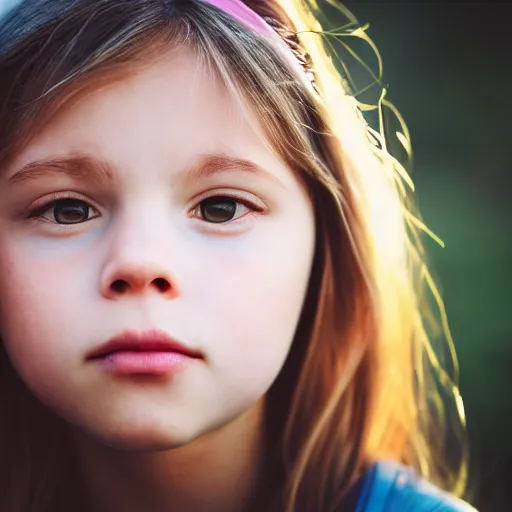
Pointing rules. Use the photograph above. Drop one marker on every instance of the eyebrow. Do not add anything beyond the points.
(210, 165)
(76, 166)
(85, 167)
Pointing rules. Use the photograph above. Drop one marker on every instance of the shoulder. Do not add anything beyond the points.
(391, 487)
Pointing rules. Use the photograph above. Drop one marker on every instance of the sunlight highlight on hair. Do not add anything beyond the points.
(307, 30)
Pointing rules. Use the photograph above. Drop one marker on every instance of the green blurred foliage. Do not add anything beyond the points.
(445, 68)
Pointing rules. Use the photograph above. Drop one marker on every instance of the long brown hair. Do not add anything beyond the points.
(359, 383)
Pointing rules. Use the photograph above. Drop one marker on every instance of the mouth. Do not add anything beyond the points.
(143, 353)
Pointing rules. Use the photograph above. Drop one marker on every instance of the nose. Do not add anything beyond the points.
(137, 266)
(137, 280)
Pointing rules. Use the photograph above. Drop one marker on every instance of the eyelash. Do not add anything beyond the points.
(37, 213)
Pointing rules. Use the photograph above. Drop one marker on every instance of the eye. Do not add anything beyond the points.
(66, 211)
(221, 209)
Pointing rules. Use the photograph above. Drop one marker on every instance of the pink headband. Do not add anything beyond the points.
(253, 21)
(241, 12)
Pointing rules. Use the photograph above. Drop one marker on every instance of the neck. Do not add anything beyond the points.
(219, 471)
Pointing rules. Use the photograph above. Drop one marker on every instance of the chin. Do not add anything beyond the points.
(142, 445)
(138, 438)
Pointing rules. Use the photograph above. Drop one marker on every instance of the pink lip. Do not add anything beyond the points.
(143, 353)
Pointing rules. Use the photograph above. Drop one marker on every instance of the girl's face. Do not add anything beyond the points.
(152, 206)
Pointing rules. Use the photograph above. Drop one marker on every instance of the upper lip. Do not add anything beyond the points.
(146, 341)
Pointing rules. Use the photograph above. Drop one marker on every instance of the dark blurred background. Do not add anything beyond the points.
(447, 68)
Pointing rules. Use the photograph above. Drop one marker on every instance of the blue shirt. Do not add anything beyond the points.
(391, 487)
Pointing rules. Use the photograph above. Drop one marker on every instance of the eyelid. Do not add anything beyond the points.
(36, 210)
(49, 199)
(233, 226)
(246, 198)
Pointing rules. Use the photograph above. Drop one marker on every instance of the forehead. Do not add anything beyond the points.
(174, 104)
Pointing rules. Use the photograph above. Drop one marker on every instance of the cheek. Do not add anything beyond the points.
(253, 301)
(34, 309)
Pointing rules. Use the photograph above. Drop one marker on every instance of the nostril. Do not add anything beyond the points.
(119, 286)
(162, 284)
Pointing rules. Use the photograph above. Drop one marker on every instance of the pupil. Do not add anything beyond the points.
(218, 209)
(70, 211)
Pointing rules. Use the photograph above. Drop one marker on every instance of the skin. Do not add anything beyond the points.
(231, 291)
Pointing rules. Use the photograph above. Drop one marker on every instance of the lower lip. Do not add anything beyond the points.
(125, 362)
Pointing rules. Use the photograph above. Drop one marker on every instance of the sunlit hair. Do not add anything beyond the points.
(362, 380)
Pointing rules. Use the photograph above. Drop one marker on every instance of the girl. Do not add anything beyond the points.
(210, 287)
